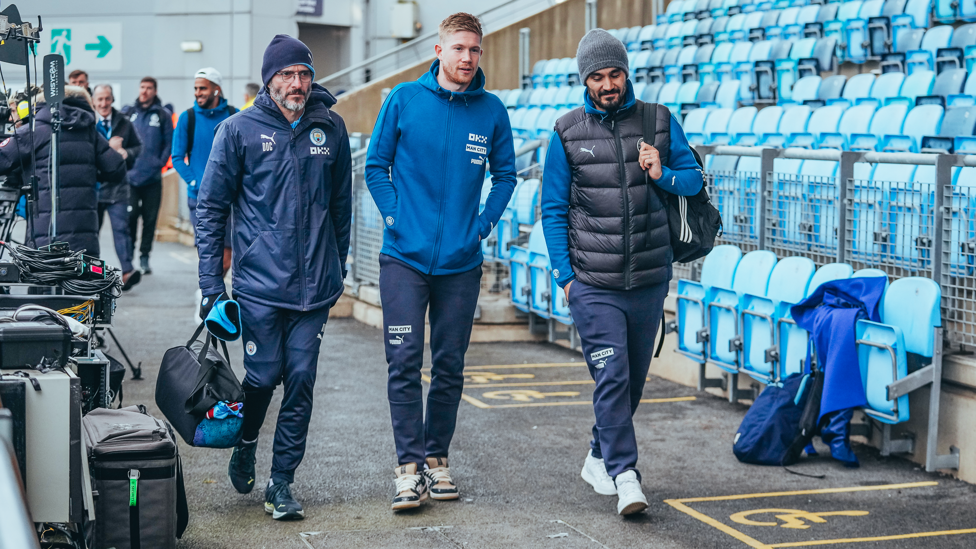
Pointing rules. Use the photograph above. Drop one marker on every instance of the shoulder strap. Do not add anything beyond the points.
(232, 110)
(650, 122)
(191, 122)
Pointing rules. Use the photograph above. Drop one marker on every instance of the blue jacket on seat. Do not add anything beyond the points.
(425, 168)
(290, 190)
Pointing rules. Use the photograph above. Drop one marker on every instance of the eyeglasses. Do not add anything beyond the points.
(286, 76)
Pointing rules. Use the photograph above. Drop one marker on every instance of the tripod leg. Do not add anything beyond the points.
(136, 370)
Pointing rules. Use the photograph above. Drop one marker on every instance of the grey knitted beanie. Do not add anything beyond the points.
(599, 50)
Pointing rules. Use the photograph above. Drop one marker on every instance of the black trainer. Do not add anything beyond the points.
(241, 468)
(280, 505)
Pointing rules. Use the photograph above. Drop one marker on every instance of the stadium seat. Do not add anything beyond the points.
(794, 120)
(521, 286)
(740, 122)
(832, 87)
(923, 120)
(858, 87)
(924, 57)
(723, 306)
(887, 85)
(766, 121)
(718, 272)
(717, 122)
(805, 89)
(856, 33)
(918, 84)
(693, 125)
(539, 273)
(792, 341)
(959, 121)
(760, 316)
(707, 93)
(824, 119)
(651, 92)
(888, 120)
(645, 37)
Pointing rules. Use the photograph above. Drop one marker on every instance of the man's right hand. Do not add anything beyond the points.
(566, 290)
(208, 303)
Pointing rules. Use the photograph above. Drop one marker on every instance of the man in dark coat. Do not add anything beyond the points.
(283, 167)
(86, 157)
(114, 198)
(154, 124)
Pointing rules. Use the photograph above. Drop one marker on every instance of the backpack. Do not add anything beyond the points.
(693, 221)
(191, 123)
(781, 421)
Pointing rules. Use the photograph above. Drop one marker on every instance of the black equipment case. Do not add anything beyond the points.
(135, 467)
(24, 343)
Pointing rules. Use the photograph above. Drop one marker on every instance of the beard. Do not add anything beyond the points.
(455, 77)
(603, 104)
(280, 96)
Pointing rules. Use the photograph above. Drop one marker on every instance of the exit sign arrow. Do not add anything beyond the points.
(103, 46)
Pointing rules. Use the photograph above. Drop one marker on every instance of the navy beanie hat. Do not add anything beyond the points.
(284, 51)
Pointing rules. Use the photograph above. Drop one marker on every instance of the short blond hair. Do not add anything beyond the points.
(459, 22)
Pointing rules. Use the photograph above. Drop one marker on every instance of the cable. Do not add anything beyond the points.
(81, 313)
(62, 268)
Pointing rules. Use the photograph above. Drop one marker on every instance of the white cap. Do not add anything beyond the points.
(210, 74)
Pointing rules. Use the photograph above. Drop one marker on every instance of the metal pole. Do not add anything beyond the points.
(525, 66)
(591, 11)
(942, 231)
(766, 173)
(845, 173)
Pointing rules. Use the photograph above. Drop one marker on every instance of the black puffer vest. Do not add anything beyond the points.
(618, 226)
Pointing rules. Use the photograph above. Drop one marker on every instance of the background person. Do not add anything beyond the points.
(155, 128)
(250, 92)
(79, 78)
(426, 181)
(86, 157)
(190, 155)
(284, 169)
(113, 198)
(609, 246)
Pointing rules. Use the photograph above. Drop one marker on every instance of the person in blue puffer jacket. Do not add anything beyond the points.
(425, 168)
(283, 167)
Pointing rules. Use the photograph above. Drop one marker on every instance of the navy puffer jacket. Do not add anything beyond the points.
(290, 191)
(85, 158)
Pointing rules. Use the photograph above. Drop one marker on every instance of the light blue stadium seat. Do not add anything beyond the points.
(717, 122)
(805, 89)
(856, 31)
(488, 245)
(669, 93)
(923, 120)
(651, 92)
(924, 57)
(507, 228)
(521, 290)
(794, 118)
(645, 37)
(911, 316)
(967, 10)
(694, 125)
(887, 85)
(792, 340)
(918, 84)
(525, 200)
(727, 94)
(766, 121)
(855, 120)
(858, 87)
(741, 121)
(888, 120)
(944, 11)
(760, 316)
(823, 120)
(724, 305)
(540, 274)
(718, 271)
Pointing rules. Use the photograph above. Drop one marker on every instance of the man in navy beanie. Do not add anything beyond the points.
(283, 170)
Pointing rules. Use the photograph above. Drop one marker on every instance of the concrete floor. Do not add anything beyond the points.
(517, 455)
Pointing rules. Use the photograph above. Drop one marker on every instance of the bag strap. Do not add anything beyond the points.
(206, 367)
(196, 334)
(650, 124)
(191, 122)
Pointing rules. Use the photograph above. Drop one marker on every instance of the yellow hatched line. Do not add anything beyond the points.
(806, 492)
(878, 538)
(542, 365)
(751, 542)
(526, 384)
(484, 405)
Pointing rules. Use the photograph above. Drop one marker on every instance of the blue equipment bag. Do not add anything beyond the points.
(771, 433)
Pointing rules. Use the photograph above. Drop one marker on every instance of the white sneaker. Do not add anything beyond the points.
(630, 497)
(595, 473)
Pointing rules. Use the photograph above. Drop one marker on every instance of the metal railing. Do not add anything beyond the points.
(422, 48)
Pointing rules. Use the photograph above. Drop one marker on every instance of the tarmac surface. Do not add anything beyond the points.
(523, 431)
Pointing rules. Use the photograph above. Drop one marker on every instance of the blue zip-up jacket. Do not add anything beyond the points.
(205, 126)
(155, 128)
(290, 190)
(425, 168)
(682, 176)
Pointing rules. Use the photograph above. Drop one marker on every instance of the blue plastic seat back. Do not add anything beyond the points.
(887, 85)
(825, 119)
(669, 93)
(688, 92)
(639, 88)
(869, 273)
(794, 119)
(830, 271)
(760, 51)
(858, 86)
(718, 121)
(832, 87)
(921, 121)
(849, 10)
(722, 52)
(958, 121)
(526, 201)
(949, 82)
(728, 93)
(751, 277)
(790, 278)
(651, 92)
(917, 84)
(752, 274)
(687, 55)
(913, 304)
(877, 370)
(789, 16)
(718, 271)
(740, 52)
(808, 14)
(694, 125)
(888, 120)
(806, 88)
(767, 120)
(919, 10)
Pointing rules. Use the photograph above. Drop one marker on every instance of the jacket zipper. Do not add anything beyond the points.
(301, 218)
(440, 206)
(626, 193)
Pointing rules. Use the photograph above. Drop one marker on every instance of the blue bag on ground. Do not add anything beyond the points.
(771, 424)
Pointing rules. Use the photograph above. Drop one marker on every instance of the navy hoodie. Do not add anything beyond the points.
(155, 128)
(425, 168)
(290, 190)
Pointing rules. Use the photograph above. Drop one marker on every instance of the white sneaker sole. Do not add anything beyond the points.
(278, 515)
(596, 485)
(401, 505)
(632, 508)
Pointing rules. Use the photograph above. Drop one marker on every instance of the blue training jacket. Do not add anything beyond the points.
(682, 176)
(205, 126)
(425, 168)
(290, 190)
(155, 128)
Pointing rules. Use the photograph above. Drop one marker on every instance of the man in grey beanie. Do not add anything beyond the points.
(607, 233)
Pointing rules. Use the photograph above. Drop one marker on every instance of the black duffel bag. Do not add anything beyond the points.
(193, 378)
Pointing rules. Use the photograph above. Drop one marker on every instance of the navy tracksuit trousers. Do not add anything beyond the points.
(406, 294)
(617, 329)
(280, 346)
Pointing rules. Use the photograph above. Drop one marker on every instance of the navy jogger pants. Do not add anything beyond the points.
(406, 294)
(280, 346)
(617, 329)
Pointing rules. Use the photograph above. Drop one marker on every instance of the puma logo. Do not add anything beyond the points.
(588, 151)
(271, 138)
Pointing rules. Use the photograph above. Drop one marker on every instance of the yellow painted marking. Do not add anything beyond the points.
(475, 402)
(488, 377)
(878, 538)
(531, 384)
(792, 518)
(525, 395)
(680, 505)
(543, 365)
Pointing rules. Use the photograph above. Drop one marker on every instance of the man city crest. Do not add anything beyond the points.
(317, 136)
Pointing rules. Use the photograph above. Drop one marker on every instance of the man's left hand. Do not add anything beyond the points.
(650, 160)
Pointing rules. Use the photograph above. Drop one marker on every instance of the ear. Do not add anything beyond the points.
(437, 50)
